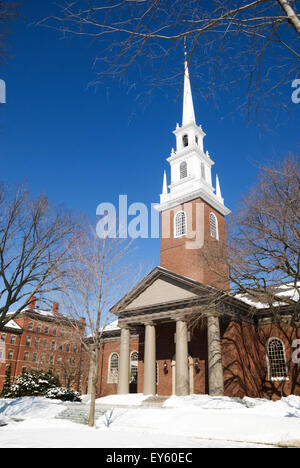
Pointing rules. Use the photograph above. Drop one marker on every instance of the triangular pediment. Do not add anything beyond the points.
(159, 287)
(160, 291)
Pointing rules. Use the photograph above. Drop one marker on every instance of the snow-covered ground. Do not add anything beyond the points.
(183, 422)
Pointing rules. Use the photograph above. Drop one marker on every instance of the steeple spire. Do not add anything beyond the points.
(188, 105)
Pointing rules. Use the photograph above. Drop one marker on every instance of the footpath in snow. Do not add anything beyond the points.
(182, 422)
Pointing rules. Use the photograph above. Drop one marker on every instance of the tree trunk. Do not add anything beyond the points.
(93, 385)
(293, 18)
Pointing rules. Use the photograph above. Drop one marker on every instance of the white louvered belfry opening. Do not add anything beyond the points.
(213, 226)
(183, 170)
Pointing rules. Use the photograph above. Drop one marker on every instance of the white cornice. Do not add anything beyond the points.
(194, 149)
(184, 198)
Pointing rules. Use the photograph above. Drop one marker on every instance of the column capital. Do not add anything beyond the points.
(151, 324)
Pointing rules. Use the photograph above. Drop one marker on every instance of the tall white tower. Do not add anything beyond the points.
(191, 167)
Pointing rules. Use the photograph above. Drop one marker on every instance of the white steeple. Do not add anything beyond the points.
(191, 176)
(188, 115)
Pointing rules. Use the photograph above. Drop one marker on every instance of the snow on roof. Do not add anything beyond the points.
(112, 326)
(13, 324)
(285, 291)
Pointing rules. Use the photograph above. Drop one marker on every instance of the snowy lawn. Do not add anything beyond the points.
(184, 422)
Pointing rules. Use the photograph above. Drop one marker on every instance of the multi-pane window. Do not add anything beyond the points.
(30, 326)
(46, 330)
(3, 337)
(183, 170)
(10, 355)
(36, 342)
(134, 360)
(68, 348)
(34, 357)
(51, 360)
(26, 356)
(45, 344)
(53, 345)
(180, 224)
(54, 331)
(28, 341)
(13, 339)
(113, 371)
(39, 328)
(213, 226)
(276, 360)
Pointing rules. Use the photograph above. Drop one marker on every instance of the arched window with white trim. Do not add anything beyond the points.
(180, 224)
(277, 367)
(134, 362)
(113, 369)
(183, 170)
(214, 229)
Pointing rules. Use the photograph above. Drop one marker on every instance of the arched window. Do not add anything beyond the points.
(214, 232)
(180, 224)
(185, 141)
(134, 362)
(113, 369)
(276, 360)
(183, 170)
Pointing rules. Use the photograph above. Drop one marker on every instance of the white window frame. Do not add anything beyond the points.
(184, 230)
(113, 375)
(276, 379)
(216, 227)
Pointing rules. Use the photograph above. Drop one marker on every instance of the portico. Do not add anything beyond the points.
(143, 311)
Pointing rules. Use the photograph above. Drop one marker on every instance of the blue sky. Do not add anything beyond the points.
(82, 146)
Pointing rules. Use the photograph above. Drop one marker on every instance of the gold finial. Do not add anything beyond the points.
(185, 52)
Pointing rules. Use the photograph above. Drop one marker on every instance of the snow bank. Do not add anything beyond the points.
(30, 408)
(205, 402)
(132, 399)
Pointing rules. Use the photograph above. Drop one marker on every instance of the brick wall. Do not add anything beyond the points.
(198, 264)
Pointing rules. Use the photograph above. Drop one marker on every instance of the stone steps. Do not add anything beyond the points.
(154, 402)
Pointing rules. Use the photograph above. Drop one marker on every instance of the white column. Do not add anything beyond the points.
(124, 363)
(182, 370)
(215, 367)
(150, 360)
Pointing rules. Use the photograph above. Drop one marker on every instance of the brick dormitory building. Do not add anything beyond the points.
(238, 349)
(44, 340)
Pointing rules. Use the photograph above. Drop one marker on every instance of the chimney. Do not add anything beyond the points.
(55, 308)
(32, 303)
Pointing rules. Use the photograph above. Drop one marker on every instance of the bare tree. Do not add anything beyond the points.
(263, 245)
(100, 276)
(229, 41)
(35, 239)
(8, 13)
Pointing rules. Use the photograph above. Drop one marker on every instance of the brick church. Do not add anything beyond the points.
(165, 342)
